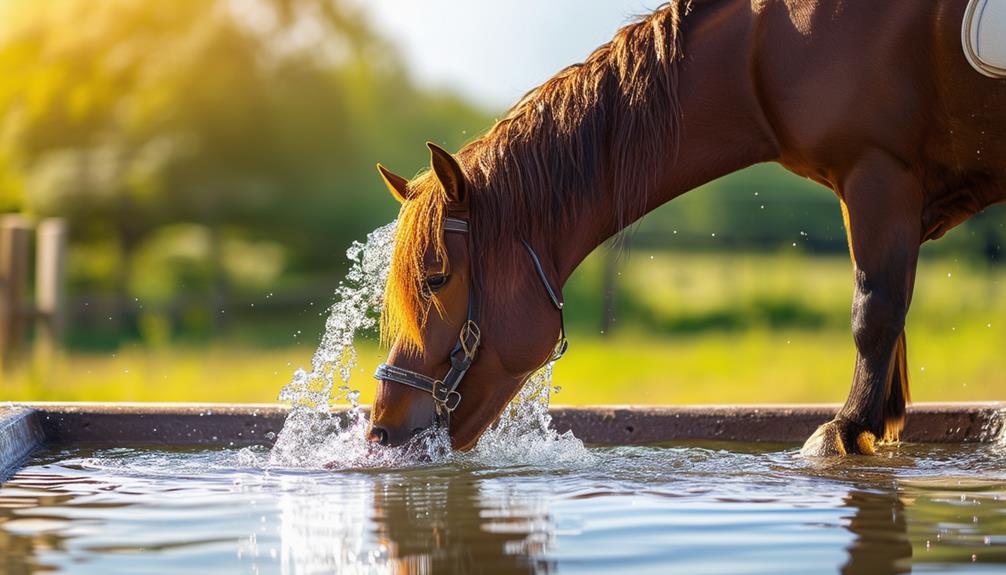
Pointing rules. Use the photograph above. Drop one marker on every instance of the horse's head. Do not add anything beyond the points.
(464, 333)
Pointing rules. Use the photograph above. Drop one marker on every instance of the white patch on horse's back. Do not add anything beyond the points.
(801, 13)
(984, 36)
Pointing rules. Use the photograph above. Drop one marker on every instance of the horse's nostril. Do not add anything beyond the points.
(378, 435)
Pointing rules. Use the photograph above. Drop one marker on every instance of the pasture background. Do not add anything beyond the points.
(215, 159)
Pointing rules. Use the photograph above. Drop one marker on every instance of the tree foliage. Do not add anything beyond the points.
(260, 118)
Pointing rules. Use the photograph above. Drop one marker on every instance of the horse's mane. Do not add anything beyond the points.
(602, 126)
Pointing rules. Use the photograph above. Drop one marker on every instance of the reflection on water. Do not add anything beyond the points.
(879, 522)
(695, 509)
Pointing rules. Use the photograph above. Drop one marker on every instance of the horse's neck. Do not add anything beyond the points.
(723, 128)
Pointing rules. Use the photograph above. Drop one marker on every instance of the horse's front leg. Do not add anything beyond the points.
(882, 200)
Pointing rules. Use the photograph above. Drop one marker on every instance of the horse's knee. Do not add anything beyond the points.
(878, 318)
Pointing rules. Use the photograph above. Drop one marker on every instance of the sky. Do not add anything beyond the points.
(493, 52)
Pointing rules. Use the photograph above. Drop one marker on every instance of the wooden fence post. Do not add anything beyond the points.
(15, 234)
(50, 263)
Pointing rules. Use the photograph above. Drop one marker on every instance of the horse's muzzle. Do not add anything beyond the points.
(399, 425)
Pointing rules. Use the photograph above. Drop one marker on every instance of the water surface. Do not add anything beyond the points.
(713, 508)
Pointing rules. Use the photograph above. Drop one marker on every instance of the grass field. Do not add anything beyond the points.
(691, 329)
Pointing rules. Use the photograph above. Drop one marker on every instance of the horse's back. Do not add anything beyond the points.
(974, 104)
(840, 76)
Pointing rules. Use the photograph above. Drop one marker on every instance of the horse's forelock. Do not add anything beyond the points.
(419, 230)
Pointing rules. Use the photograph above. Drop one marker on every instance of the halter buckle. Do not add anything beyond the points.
(440, 392)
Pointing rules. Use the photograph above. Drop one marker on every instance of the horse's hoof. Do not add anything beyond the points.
(835, 438)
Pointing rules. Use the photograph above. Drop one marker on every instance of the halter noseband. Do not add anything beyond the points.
(445, 391)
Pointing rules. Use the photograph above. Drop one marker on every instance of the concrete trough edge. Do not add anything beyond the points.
(257, 424)
(616, 425)
(20, 435)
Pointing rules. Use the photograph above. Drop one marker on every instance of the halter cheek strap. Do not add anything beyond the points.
(445, 391)
(563, 344)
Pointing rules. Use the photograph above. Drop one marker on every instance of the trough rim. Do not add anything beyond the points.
(245, 424)
(232, 424)
(924, 406)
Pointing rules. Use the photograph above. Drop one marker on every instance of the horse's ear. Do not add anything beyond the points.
(397, 185)
(448, 171)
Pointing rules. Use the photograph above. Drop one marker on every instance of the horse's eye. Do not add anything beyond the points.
(434, 283)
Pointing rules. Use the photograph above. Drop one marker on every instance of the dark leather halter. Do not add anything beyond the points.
(445, 391)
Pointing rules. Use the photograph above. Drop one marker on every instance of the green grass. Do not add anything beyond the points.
(692, 329)
(771, 367)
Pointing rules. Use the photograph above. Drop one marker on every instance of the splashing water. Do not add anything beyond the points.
(314, 437)
(994, 430)
(524, 433)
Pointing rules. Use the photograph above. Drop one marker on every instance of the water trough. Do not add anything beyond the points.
(26, 427)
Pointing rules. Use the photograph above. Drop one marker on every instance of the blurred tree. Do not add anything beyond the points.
(255, 118)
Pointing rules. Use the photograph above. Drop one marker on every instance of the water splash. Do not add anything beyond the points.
(994, 430)
(315, 437)
(312, 431)
(358, 297)
(524, 433)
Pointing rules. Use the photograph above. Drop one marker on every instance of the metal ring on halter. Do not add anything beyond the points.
(470, 328)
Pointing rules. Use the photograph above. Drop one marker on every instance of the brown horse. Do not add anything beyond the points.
(875, 100)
